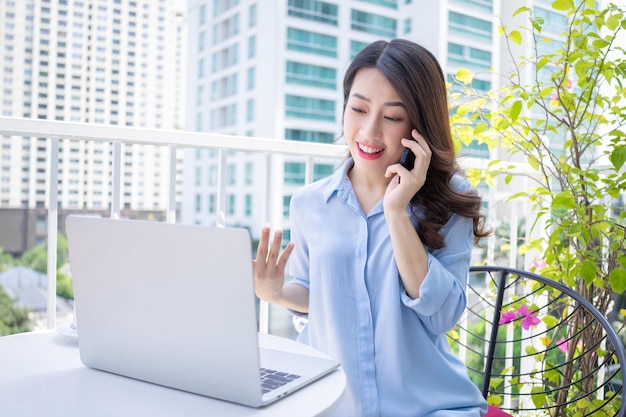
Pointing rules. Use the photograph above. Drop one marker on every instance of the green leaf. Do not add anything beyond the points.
(563, 5)
(465, 76)
(588, 271)
(480, 128)
(542, 62)
(516, 37)
(618, 157)
(522, 10)
(613, 22)
(538, 396)
(617, 278)
(494, 400)
(495, 382)
(549, 320)
(563, 200)
(600, 43)
(516, 109)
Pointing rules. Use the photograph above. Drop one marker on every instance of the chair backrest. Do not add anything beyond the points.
(537, 348)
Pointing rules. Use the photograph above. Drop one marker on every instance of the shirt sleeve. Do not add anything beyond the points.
(442, 294)
(298, 266)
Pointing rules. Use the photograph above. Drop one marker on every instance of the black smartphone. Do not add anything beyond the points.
(407, 159)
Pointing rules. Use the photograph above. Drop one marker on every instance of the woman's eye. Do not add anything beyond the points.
(393, 119)
(358, 110)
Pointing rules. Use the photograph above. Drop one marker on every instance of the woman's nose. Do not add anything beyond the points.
(370, 127)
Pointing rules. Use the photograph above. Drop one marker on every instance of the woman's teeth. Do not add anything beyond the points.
(368, 149)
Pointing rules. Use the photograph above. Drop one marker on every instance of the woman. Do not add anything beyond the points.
(379, 254)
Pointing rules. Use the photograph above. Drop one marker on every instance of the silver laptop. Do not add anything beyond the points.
(174, 305)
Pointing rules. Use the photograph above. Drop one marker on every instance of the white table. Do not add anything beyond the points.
(41, 375)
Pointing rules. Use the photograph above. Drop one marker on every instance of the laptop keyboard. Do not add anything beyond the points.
(272, 379)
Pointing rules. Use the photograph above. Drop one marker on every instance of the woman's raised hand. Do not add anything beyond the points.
(269, 266)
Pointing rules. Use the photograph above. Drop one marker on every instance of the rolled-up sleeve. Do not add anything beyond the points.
(442, 294)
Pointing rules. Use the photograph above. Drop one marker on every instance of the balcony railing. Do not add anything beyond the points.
(55, 131)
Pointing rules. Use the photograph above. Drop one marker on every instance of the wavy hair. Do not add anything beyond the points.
(416, 76)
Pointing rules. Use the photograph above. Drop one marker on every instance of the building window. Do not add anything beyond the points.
(392, 4)
(468, 26)
(310, 108)
(224, 116)
(224, 87)
(286, 203)
(231, 209)
(212, 203)
(372, 23)
(201, 68)
(250, 83)
(356, 47)
(221, 6)
(232, 174)
(251, 47)
(201, 37)
(311, 42)
(248, 208)
(309, 136)
(317, 11)
(226, 29)
(466, 56)
(311, 75)
(252, 15)
(225, 58)
(249, 172)
(250, 110)
(212, 175)
(482, 5)
(198, 203)
(198, 177)
(553, 22)
(295, 172)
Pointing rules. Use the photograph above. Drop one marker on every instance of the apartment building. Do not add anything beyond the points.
(274, 69)
(114, 62)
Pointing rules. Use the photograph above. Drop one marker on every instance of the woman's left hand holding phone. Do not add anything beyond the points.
(400, 193)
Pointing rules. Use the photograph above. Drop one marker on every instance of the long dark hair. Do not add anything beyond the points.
(416, 76)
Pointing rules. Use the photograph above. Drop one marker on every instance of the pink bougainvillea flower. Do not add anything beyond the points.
(562, 345)
(530, 320)
(507, 317)
(538, 264)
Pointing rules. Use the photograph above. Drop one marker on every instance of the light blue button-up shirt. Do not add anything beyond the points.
(393, 349)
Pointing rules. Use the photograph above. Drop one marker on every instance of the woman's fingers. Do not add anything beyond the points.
(269, 266)
(269, 256)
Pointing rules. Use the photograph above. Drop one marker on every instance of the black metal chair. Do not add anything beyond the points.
(537, 348)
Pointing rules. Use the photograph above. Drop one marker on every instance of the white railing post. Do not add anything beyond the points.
(171, 203)
(264, 308)
(116, 181)
(53, 216)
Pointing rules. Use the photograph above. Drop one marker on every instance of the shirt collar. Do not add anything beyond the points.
(339, 183)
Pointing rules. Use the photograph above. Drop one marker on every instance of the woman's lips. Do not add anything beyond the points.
(369, 152)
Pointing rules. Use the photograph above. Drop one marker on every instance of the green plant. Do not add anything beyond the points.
(13, 319)
(561, 114)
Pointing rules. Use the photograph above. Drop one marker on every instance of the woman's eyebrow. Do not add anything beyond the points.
(390, 103)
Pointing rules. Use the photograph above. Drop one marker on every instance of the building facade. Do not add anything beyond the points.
(94, 61)
(274, 69)
(117, 62)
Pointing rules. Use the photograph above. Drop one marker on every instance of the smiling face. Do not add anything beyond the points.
(374, 122)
